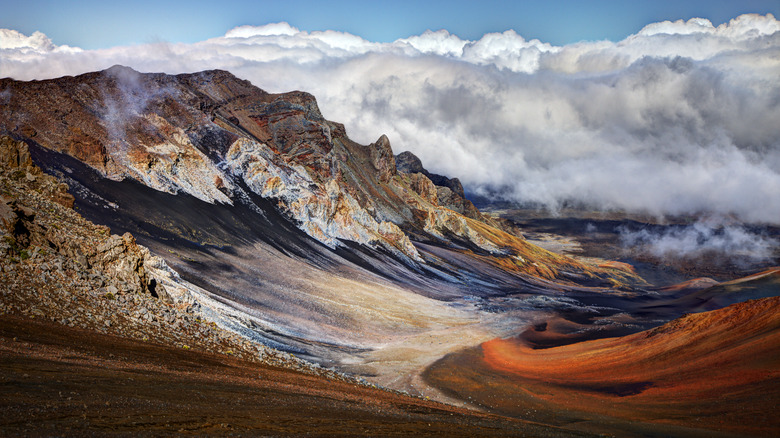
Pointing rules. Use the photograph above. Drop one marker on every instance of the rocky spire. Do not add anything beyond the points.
(382, 158)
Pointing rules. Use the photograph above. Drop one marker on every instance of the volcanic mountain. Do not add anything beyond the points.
(259, 200)
(265, 219)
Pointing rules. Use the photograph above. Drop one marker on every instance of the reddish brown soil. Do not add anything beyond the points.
(59, 381)
(716, 370)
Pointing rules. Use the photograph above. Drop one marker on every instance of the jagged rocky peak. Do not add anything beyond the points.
(449, 191)
(382, 158)
(407, 162)
(446, 192)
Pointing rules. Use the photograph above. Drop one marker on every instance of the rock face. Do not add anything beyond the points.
(325, 211)
(382, 159)
(448, 192)
(407, 162)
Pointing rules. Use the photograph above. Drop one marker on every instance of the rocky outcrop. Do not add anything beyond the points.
(15, 155)
(15, 159)
(449, 192)
(424, 187)
(382, 159)
(38, 221)
(407, 162)
(325, 211)
(171, 163)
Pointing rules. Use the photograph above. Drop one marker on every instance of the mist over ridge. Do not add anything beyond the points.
(679, 118)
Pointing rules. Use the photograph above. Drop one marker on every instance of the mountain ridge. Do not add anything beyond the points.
(200, 133)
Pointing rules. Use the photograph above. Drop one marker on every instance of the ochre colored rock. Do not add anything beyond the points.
(14, 154)
(424, 187)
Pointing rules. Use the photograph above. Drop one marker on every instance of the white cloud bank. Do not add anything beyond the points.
(15, 43)
(680, 118)
(731, 243)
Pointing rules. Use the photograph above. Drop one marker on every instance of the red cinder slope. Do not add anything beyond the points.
(728, 357)
(717, 370)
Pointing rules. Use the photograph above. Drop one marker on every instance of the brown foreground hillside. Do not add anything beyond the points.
(65, 381)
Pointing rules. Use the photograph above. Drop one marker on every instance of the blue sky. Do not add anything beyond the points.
(94, 24)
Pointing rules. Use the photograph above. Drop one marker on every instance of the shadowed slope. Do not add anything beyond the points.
(699, 295)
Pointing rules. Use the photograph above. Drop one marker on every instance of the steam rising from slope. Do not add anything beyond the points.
(679, 118)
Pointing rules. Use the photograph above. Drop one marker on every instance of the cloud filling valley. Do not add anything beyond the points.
(679, 118)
